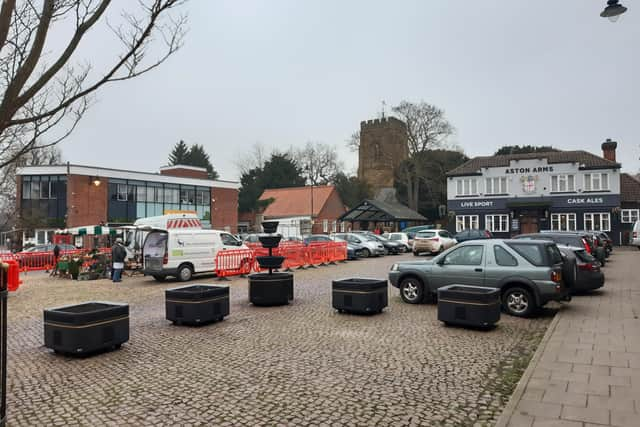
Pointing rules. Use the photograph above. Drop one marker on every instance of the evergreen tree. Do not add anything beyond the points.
(517, 149)
(351, 189)
(279, 171)
(178, 154)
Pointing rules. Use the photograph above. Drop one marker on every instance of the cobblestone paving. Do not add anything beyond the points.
(293, 365)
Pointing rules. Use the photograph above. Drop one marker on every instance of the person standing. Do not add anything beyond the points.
(118, 255)
(56, 258)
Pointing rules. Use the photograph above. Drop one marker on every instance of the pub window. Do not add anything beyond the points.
(563, 222)
(497, 223)
(596, 182)
(630, 215)
(467, 187)
(562, 183)
(122, 192)
(466, 222)
(597, 222)
(325, 225)
(496, 185)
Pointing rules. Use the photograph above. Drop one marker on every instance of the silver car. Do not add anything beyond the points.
(528, 272)
(372, 247)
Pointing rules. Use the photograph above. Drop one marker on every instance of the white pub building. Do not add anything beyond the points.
(526, 193)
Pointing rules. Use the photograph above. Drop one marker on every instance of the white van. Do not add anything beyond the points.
(635, 234)
(134, 235)
(183, 253)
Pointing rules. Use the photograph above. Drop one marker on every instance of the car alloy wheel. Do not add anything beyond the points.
(366, 253)
(185, 273)
(411, 291)
(518, 302)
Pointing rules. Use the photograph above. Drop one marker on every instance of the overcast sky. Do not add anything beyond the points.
(282, 73)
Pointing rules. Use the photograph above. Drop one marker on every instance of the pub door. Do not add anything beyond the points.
(529, 224)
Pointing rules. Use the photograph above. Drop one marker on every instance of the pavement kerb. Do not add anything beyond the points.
(511, 406)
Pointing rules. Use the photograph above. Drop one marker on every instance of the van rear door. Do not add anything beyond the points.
(155, 252)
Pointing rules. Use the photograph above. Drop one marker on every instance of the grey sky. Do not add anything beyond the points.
(285, 72)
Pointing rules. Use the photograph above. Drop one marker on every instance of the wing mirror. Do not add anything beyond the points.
(440, 261)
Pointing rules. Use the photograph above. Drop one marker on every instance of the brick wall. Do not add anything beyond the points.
(331, 211)
(225, 209)
(185, 173)
(86, 203)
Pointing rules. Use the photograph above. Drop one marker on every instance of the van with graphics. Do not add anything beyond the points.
(134, 235)
(181, 253)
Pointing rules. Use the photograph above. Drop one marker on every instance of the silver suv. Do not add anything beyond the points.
(372, 247)
(529, 273)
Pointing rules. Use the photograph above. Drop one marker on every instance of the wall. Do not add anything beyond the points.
(86, 203)
(383, 146)
(331, 210)
(225, 209)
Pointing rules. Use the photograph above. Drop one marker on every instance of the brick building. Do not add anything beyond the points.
(64, 196)
(320, 203)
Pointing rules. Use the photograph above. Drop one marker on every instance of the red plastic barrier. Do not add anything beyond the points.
(337, 251)
(234, 262)
(294, 254)
(35, 261)
(13, 276)
(317, 253)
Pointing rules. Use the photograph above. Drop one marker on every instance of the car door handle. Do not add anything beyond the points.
(479, 270)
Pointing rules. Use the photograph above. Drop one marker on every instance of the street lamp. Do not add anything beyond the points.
(613, 10)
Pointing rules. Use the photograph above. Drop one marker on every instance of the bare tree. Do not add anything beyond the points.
(427, 129)
(319, 162)
(45, 93)
(254, 158)
(354, 141)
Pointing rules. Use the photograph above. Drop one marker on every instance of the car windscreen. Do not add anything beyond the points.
(395, 237)
(583, 256)
(554, 254)
(426, 234)
(532, 253)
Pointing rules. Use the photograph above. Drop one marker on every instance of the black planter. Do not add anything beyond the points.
(363, 296)
(86, 328)
(270, 227)
(270, 241)
(197, 304)
(469, 305)
(270, 289)
(270, 261)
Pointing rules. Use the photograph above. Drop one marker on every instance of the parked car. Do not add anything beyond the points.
(411, 231)
(371, 247)
(183, 253)
(635, 235)
(432, 241)
(573, 238)
(48, 248)
(402, 238)
(608, 242)
(473, 234)
(581, 271)
(251, 238)
(354, 251)
(390, 246)
(528, 273)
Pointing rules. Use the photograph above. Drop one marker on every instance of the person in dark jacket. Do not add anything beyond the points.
(56, 258)
(118, 255)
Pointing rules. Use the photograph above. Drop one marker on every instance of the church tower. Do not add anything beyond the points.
(383, 146)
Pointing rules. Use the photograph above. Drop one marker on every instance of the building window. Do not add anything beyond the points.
(467, 187)
(596, 182)
(466, 222)
(325, 225)
(597, 222)
(497, 223)
(496, 185)
(122, 193)
(563, 183)
(630, 215)
(563, 222)
(342, 227)
(334, 226)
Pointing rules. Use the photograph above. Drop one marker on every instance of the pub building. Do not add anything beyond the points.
(526, 193)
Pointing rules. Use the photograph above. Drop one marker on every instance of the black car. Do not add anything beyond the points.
(474, 234)
(581, 271)
(579, 239)
(391, 246)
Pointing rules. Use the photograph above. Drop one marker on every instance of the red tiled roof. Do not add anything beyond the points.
(629, 188)
(296, 201)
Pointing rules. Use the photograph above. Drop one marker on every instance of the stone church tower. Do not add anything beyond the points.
(383, 146)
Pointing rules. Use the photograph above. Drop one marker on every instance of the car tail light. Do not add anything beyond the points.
(556, 276)
(589, 267)
(586, 246)
(487, 234)
(635, 234)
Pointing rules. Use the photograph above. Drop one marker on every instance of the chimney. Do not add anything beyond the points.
(609, 149)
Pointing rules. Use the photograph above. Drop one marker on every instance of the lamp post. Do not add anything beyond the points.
(613, 10)
(309, 169)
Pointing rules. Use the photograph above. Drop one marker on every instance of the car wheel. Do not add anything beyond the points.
(366, 253)
(159, 277)
(185, 273)
(411, 290)
(518, 302)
